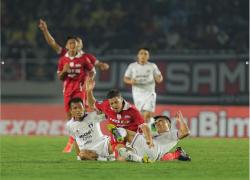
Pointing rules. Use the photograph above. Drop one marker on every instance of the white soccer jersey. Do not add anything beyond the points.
(166, 141)
(144, 76)
(88, 135)
(143, 91)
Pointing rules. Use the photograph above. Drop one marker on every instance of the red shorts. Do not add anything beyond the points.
(67, 98)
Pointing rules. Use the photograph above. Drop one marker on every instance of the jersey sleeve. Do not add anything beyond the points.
(69, 130)
(100, 105)
(91, 58)
(87, 63)
(174, 135)
(128, 72)
(60, 65)
(62, 52)
(156, 70)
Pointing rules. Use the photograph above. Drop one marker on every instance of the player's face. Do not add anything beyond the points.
(162, 125)
(72, 45)
(77, 110)
(143, 56)
(116, 103)
(79, 44)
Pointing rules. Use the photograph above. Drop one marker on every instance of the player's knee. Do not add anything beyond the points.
(87, 155)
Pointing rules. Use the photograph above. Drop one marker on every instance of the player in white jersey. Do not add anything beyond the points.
(142, 75)
(87, 133)
(92, 144)
(163, 142)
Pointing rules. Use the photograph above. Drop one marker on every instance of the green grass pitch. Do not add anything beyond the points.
(32, 157)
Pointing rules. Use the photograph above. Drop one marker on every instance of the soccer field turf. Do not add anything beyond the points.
(24, 157)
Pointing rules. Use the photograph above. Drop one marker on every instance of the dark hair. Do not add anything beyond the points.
(75, 100)
(113, 93)
(144, 48)
(164, 117)
(71, 37)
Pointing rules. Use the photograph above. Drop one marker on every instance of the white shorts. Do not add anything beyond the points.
(141, 148)
(145, 101)
(101, 147)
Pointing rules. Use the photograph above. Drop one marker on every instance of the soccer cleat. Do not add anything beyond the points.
(183, 155)
(113, 129)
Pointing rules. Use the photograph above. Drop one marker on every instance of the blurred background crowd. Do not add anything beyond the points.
(109, 26)
(217, 30)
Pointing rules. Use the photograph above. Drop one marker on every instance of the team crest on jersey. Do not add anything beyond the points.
(119, 116)
(90, 125)
(71, 64)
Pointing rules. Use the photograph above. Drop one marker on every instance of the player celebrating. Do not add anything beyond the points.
(62, 52)
(142, 75)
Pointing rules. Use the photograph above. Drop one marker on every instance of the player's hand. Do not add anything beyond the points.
(103, 66)
(159, 78)
(66, 68)
(150, 143)
(90, 84)
(91, 74)
(42, 25)
(178, 116)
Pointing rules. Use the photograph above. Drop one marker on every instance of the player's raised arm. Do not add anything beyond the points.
(90, 84)
(183, 130)
(50, 40)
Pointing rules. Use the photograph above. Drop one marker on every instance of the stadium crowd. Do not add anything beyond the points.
(120, 27)
(104, 24)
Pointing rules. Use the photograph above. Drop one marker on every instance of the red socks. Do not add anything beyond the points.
(69, 145)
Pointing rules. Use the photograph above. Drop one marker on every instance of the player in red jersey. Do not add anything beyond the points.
(72, 69)
(118, 111)
(62, 52)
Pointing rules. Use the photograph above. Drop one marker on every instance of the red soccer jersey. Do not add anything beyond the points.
(80, 65)
(63, 52)
(129, 118)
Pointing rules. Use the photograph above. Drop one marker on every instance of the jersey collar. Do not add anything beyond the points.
(126, 105)
(79, 54)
